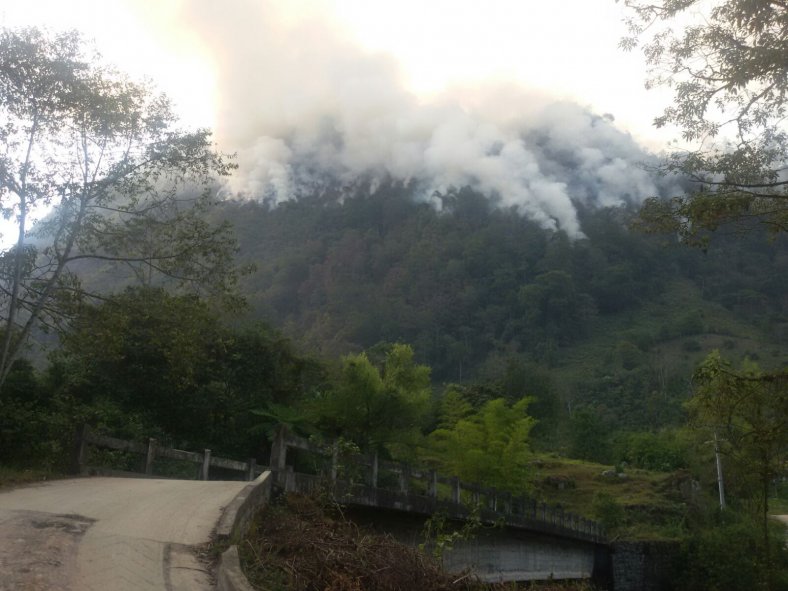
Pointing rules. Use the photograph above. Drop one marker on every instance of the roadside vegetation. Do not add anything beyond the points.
(10, 477)
(302, 544)
(602, 374)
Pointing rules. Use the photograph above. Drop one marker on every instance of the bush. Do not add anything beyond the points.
(631, 356)
(662, 451)
(727, 557)
(607, 511)
(690, 323)
(588, 436)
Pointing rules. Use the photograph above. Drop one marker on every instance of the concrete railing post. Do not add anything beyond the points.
(432, 484)
(507, 503)
(334, 461)
(252, 469)
(456, 495)
(206, 464)
(80, 449)
(150, 456)
(373, 477)
(404, 479)
(279, 449)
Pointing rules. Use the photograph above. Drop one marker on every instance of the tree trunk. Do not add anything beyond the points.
(767, 555)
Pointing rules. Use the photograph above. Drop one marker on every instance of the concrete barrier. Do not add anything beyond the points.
(232, 527)
(238, 514)
(230, 576)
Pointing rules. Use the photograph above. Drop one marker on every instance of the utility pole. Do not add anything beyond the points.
(720, 482)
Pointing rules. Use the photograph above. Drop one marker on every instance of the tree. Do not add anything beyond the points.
(748, 410)
(121, 184)
(167, 363)
(377, 408)
(490, 446)
(728, 68)
(589, 437)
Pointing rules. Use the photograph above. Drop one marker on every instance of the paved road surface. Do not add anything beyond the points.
(109, 534)
(784, 519)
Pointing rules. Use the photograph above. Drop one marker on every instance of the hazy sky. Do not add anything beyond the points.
(529, 102)
(562, 48)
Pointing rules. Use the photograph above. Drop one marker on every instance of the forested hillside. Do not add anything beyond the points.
(471, 292)
(614, 322)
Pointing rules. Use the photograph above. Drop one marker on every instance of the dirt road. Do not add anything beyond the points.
(109, 534)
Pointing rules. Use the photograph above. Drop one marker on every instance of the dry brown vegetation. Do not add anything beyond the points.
(301, 544)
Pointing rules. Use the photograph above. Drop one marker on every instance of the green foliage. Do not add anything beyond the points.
(608, 511)
(125, 185)
(553, 304)
(727, 556)
(438, 538)
(169, 362)
(589, 436)
(377, 407)
(748, 411)
(490, 446)
(631, 356)
(664, 451)
(725, 62)
(453, 408)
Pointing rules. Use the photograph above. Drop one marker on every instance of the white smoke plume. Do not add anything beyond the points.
(298, 103)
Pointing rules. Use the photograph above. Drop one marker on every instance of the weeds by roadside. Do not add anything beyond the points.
(301, 544)
(10, 477)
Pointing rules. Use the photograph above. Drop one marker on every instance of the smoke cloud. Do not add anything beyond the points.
(299, 104)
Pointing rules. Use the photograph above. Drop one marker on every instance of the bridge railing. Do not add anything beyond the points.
(151, 451)
(367, 480)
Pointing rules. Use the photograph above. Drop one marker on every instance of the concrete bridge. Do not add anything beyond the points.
(529, 541)
(521, 539)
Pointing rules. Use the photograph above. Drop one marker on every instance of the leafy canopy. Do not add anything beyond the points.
(169, 361)
(121, 182)
(376, 407)
(748, 410)
(727, 64)
(490, 445)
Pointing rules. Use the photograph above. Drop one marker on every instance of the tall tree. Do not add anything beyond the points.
(727, 64)
(119, 182)
(377, 407)
(490, 446)
(748, 410)
(167, 361)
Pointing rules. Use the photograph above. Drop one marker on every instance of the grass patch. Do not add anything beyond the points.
(10, 477)
(778, 506)
(651, 502)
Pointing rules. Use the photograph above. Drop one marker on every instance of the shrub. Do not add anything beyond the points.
(607, 511)
(727, 557)
(662, 451)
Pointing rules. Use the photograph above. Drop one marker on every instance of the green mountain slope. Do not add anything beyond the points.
(615, 321)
